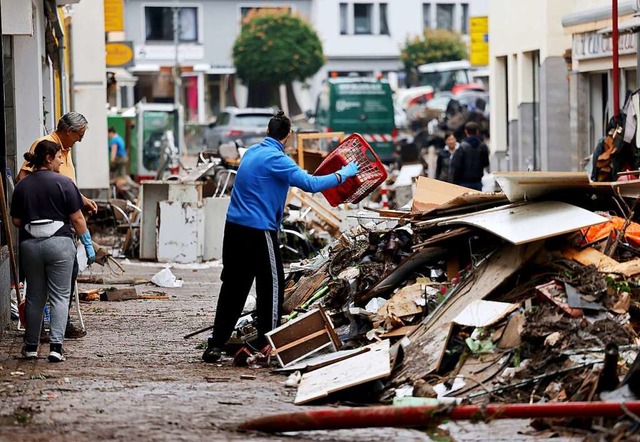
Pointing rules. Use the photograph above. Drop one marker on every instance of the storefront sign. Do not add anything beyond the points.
(594, 45)
(113, 16)
(186, 52)
(479, 34)
(119, 54)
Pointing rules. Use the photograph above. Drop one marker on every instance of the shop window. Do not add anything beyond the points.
(159, 23)
(426, 16)
(362, 18)
(444, 16)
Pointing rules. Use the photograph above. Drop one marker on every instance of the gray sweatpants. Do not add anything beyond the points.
(48, 263)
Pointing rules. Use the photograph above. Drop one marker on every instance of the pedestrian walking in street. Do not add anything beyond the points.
(250, 247)
(470, 160)
(118, 159)
(45, 205)
(69, 131)
(443, 163)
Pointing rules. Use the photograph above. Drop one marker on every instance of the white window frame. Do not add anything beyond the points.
(199, 18)
(375, 18)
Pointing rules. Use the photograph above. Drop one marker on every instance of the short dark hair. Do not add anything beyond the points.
(472, 128)
(112, 129)
(279, 126)
(43, 149)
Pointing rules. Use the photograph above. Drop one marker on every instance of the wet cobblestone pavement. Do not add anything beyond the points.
(134, 377)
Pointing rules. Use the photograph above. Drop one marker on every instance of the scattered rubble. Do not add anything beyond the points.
(479, 299)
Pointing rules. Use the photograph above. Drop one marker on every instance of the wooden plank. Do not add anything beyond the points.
(400, 331)
(356, 370)
(315, 362)
(629, 268)
(304, 288)
(589, 256)
(421, 358)
(298, 341)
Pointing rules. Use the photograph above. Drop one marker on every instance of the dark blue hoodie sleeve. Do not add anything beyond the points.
(285, 167)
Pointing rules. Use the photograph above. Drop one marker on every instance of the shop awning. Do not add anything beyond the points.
(630, 26)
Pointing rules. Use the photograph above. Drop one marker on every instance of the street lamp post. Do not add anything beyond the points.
(177, 80)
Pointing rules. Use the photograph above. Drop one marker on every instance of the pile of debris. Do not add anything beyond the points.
(528, 296)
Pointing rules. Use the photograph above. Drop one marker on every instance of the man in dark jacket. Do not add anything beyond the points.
(469, 161)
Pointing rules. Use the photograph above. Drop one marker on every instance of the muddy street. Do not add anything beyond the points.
(134, 377)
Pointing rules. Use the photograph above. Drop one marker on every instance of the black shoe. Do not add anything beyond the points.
(211, 354)
(73, 332)
(55, 353)
(30, 351)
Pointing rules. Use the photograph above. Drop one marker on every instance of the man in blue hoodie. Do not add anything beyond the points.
(250, 245)
(469, 161)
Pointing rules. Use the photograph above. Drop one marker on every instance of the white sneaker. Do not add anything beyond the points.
(56, 356)
(29, 353)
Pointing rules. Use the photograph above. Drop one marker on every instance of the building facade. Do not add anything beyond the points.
(363, 37)
(588, 24)
(528, 86)
(50, 68)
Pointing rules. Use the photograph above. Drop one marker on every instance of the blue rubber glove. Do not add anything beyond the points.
(85, 239)
(347, 171)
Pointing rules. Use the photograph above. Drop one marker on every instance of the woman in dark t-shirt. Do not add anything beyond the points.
(44, 207)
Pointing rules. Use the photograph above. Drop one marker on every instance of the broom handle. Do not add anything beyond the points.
(7, 232)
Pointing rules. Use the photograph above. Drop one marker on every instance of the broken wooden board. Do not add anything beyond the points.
(302, 336)
(316, 362)
(113, 294)
(522, 185)
(511, 335)
(356, 370)
(409, 300)
(589, 256)
(530, 222)
(478, 371)
(432, 194)
(304, 288)
(425, 347)
(399, 332)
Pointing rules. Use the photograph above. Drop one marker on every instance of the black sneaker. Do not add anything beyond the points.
(73, 332)
(30, 351)
(55, 353)
(211, 354)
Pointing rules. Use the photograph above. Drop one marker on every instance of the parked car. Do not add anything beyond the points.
(248, 125)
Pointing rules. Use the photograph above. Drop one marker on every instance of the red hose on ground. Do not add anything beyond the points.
(422, 416)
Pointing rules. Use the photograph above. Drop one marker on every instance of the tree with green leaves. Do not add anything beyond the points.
(433, 46)
(275, 48)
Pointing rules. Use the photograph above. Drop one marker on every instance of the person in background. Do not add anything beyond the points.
(118, 160)
(45, 205)
(443, 164)
(250, 245)
(470, 160)
(69, 131)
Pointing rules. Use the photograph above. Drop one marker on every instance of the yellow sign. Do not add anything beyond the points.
(479, 45)
(119, 54)
(113, 16)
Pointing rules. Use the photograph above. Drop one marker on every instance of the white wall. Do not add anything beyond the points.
(28, 50)
(89, 93)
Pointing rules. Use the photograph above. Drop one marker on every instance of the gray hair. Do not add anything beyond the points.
(73, 121)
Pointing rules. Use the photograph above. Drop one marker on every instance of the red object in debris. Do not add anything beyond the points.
(371, 171)
(422, 416)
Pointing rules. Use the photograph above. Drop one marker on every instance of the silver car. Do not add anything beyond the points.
(247, 125)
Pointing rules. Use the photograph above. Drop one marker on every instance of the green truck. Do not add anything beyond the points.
(359, 105)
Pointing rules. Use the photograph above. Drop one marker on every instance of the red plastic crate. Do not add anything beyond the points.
(371, 171)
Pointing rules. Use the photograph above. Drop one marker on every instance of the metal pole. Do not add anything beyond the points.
(616, 68)
(177, 80)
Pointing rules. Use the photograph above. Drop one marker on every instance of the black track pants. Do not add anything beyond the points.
(249, 254)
